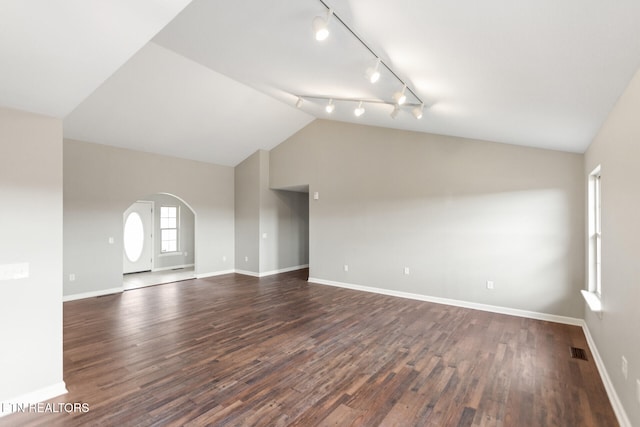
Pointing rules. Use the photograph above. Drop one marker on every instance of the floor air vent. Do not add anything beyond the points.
(578, 353)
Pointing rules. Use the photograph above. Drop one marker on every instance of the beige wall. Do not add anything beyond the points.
(616, 149)
(247, 214)
(456, 212)
(31, 232)
(284, 219)
(101, 182)
(271, 225)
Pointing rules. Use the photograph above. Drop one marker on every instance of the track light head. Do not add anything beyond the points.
(321, 26)
(359, 110)
(373, 73)
(395, 111)
(400, 97)
(417, 111)
(330, 107)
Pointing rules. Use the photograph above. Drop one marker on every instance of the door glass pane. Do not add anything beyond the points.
(133, 237)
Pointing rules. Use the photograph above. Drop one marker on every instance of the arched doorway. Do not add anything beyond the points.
(159, 241)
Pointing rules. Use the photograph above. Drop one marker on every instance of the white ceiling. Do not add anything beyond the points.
(164, 103)
(53, 54)
(219, 81)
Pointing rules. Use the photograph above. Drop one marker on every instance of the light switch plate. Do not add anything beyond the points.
(15, 271)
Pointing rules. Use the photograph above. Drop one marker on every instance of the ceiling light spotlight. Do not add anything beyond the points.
(321, 26)
(395, 111)
(417, 111)
(373, 73)
(400, 97)
(299, 103)
(330, 107)
(359, 110)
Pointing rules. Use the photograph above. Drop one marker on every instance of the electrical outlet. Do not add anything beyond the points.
(489, 284)
(224, 258)
(625, 368)
(246, 259)
(111, 240)
(406, 271)
(346, 267)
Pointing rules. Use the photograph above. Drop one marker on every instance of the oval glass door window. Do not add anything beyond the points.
(133, 237)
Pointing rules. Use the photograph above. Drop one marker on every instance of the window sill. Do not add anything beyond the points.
(164, 254)
(593, 301)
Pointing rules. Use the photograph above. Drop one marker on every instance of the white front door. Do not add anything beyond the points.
(138, 237)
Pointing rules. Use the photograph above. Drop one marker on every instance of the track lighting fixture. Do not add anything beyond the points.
(400, 97)
(395, 111)
(321, 26)
(373, 73)
(330, 106)
(417, 111)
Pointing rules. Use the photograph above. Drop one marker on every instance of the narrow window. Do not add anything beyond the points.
(595, 232)
(169, 228)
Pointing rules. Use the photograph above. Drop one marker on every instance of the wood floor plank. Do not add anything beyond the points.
(236, 350)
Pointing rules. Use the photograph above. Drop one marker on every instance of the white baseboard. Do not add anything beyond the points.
(457, 303)
(283, 270)
(623, 419)
(92, 294)
(214, 273)
(173, 267)
(36, 396)
(272, 272)
(247, 273)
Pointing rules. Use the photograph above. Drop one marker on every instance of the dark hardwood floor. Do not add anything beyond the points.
(239, 351)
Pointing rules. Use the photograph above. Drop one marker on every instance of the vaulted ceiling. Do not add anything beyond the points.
(215, 81)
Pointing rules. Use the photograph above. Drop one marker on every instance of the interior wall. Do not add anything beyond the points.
(186, 234)
(455, 212)
(31, 230)
(284, 224)
(616, 149)
(271, 225)
(100, 182)
(247, 214)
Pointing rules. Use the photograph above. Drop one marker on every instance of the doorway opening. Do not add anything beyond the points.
(159, 241)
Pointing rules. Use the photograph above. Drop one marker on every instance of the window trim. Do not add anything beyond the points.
(176, 228)
(597, 233)
(593, 294)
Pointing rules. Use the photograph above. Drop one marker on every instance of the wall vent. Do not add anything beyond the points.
(578, 353)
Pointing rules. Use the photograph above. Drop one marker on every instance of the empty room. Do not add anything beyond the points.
(316, 212)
